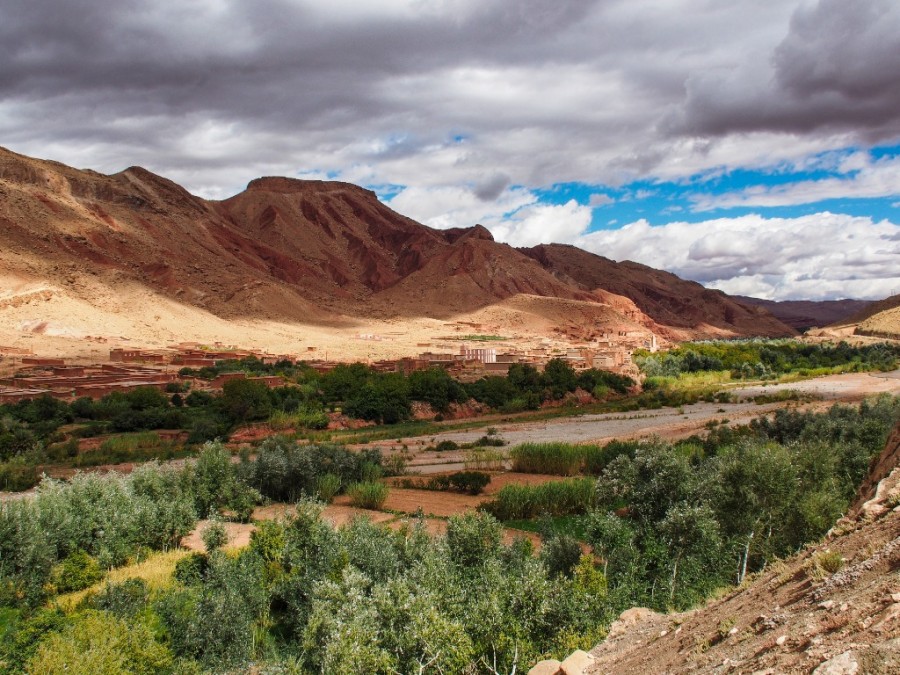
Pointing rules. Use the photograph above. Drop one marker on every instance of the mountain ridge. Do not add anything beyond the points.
(322, 253)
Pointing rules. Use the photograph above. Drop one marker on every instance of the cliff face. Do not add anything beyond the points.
(315, 252)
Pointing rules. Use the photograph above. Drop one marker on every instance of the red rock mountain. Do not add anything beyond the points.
(318, 253)
(804, 314)
(665, 298)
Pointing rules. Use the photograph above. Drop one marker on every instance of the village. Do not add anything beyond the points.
(25, 375)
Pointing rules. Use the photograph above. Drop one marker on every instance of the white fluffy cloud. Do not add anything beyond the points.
(819, 256)
(868, 179)
(515, 216)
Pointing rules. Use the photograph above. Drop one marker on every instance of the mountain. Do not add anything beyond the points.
(805, 314)
(682, 307)
(87, 253)
(879, 319)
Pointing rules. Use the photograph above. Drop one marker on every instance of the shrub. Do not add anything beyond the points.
(98, 642)
(561, 555)
(557, 498)
(124, 600)
(191, 569)
(214, 536)
(823, 564)
(560, 459)
(446, 446)
(368, 495)
(327, 486)
(471, 482)
(76, 572)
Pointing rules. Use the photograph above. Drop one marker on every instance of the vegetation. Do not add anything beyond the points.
(668, 523)
(567, 459)
(767, 359)
(368, 495)
(469, 482)
(555, 498)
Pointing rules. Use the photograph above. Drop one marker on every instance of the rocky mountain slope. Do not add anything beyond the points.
(804, 314)
(800, 615)
(307, 252)
(681, 306)
(881, 319)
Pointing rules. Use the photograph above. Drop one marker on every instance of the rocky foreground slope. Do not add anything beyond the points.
(833, 609)
(309, 252)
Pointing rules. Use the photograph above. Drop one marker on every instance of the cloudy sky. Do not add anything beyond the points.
(751, 145)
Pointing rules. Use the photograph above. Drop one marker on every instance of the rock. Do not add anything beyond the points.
(781, 640)
(881, 659)
(576, 663)
(888, 615)
(546, 667)
(628, 619)
(842, 664)
(826, 604)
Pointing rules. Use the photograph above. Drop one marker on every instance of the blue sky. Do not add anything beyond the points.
(750, 145)
(692, 199)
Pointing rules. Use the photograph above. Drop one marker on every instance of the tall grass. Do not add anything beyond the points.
(368, 495)
(557, 498)
(484, 459)
(566, 459)
(132, 447)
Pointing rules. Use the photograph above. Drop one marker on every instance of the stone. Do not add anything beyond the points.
(781, 640)
(842, 664)
(576, 663)
(546, 667)
(628, 619)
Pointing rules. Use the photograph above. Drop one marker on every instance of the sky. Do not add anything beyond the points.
(750, 145)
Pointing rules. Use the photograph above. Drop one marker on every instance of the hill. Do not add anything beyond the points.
(882, 319)
(804, 314)
(133, 253)
(684, 308)
(795, 617)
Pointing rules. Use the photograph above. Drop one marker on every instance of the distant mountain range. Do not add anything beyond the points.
(805, 314)
(329, 253)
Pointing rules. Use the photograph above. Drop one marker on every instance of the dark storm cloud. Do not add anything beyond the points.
(491, 187)
(214, 92)
(837, 69)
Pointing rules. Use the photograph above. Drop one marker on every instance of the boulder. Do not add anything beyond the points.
(547, 667)
(577, 663)
(842, 664)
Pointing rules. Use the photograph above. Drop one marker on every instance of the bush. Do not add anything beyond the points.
(561, 555)
(556, 498)
(327, 486)
(446, 446)
(124, 600)
(470, 482)
(560, 459)
(214, 536)
(99, 643)
(191, 569)
(76, 572)
(368, 495)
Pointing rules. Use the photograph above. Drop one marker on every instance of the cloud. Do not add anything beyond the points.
(600, 199)
(542, 223)
(869, 179)
(820, 256)
(836, 70)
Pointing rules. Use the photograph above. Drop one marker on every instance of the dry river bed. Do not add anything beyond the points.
(667, 423)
